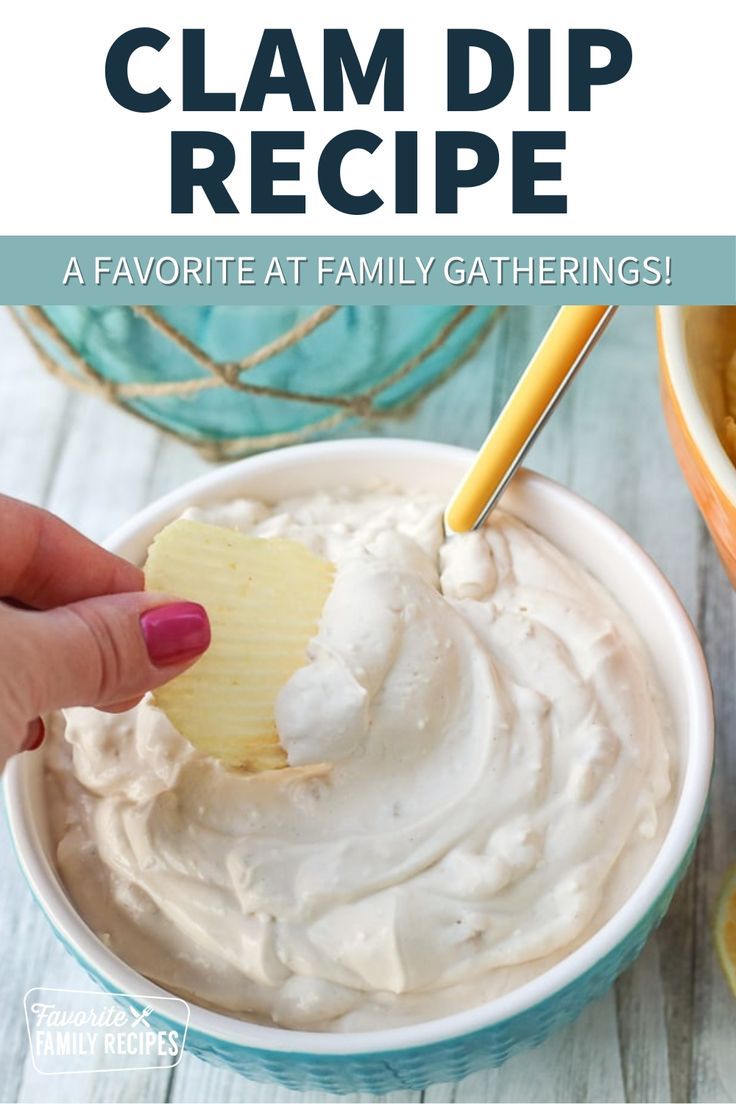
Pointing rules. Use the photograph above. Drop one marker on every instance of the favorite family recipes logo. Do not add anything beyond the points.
(73, 1030)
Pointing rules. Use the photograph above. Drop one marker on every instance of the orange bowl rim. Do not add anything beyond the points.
(676, 363)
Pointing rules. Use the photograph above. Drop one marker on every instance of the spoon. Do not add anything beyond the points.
(564, 347)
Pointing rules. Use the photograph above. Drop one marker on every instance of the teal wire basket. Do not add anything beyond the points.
(237, 380)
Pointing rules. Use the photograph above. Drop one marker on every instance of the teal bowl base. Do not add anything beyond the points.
(417, 1067)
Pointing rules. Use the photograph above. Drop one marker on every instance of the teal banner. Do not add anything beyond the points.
(367, 270)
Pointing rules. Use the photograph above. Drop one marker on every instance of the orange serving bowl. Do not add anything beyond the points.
(696, 344)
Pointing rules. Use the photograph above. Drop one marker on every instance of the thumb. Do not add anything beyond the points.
(104, 650)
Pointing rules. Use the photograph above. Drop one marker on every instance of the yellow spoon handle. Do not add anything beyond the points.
(565, 346)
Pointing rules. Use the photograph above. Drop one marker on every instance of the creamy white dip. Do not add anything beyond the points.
(480, 777)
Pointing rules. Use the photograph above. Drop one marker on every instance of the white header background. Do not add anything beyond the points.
(655, 155)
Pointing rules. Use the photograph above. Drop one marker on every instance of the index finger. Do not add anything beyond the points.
(45, 563)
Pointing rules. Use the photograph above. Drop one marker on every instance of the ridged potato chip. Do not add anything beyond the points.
(264, 598)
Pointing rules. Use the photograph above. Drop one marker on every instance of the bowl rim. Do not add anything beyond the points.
(676, 363)
(120, 977)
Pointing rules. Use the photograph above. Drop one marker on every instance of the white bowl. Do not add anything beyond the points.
(450, 1047)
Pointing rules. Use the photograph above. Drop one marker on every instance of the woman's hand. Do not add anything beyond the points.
(76, 627)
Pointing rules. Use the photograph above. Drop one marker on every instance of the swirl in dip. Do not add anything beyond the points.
(480, 771)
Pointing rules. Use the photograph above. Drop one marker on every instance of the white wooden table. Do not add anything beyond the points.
(668, 1031)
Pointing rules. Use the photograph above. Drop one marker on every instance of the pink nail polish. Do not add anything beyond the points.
(34, 735)
(175, 632)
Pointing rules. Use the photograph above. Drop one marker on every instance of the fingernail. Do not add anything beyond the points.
(34, 735)
(175, 632)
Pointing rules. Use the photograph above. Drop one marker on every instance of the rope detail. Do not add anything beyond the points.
(68, 365)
